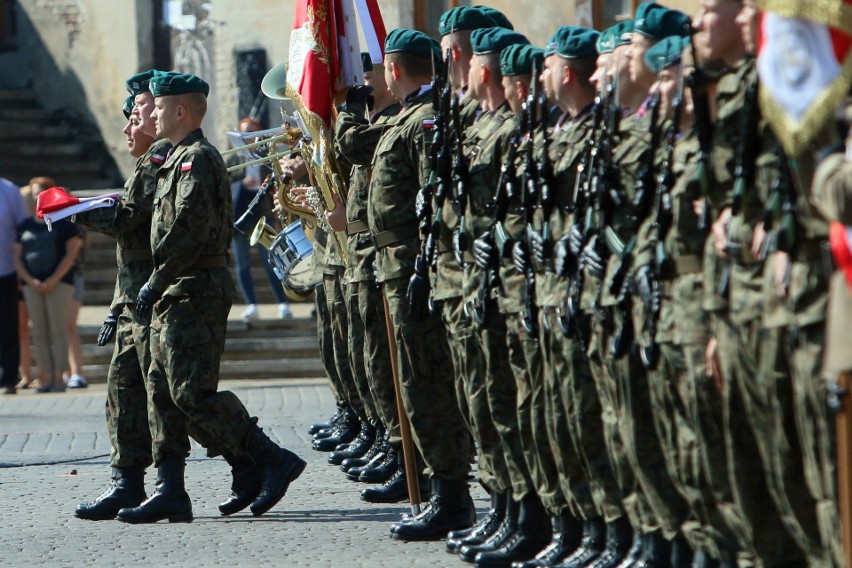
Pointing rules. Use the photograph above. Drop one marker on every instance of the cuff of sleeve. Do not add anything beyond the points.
(158, 283)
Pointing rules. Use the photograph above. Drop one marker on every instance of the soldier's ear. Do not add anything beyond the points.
(485, 74)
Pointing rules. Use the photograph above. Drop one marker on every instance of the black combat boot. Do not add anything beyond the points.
(344, 431)
(591, 545)
(245, 484)
(378, 446)
(170, 499)
(327, 425)
(450, 509)
(279, 467)
(637, 548)
(619, 536)
(357, 448)
(532, 536)
(126, 489)
(656, 553)
(682, 554)
(485, 527)
(382, 471)
(395, 489)
(567, 533)
(504, 532)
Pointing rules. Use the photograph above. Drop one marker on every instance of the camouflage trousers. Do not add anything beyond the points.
(127, 401)
(567, 373)
(367, 302)
(471, 387)
(697, 436)
(428, 387)
(799, 459)
(355, 333)
(187, 339)
(636, 408)
(747, 399)
(338, 322)
(502, 395)
(526, 361)
(635, 506)
(326, 346)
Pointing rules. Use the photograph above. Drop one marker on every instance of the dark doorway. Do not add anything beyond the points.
(250, 67)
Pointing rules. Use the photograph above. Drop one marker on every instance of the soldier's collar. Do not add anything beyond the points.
(418, 93)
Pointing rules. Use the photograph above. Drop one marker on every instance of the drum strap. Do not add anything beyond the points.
(126, 256)
(356, 227)
(383, 239)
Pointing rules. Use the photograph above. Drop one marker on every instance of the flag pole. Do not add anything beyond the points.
(408, 451)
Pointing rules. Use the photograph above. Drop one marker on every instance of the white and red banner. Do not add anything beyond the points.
(805, 66)
(57, 203)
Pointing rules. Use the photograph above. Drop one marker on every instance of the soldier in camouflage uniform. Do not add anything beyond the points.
(357, 131)
(190, 293)
(130, 223)
(400, 168)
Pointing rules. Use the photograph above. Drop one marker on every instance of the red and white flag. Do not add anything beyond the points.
(805, 66)
(57, 203)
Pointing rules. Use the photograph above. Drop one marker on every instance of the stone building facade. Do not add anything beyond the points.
(77, 53)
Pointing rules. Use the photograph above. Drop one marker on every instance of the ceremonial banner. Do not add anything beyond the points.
(56, 203)
(805, 66)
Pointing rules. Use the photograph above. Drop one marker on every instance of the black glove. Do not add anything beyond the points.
(423, 204)
(107, 331)
(575, 239)
(359, 94)
(592, 260)
(418, 291)
(145, 301)
(459, 245)
(485, 252)
(520, 256)
(643, 287)
(537, 248)
(564, 259)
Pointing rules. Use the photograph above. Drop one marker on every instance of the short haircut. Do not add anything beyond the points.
(413, 65)
(196, 103)
(462, 39)
(492, 62)
(583, 68)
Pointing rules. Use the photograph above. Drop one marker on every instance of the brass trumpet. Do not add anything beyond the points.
(263, 233)
(270, 139)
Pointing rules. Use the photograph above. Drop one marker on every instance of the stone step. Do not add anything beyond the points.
(14, 130)
(27, 149)
(25, 114)
(18, 98)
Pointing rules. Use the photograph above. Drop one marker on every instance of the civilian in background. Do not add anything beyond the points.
(44, 261)
(73, 377)
(25, 365)
(13, 212)
(243, 190)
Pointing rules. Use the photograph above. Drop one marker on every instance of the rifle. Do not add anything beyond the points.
(661, 267)
(545, 178)
(529, 198)
(477, 309)
(697, 82)
(435, 189)
(643, 198)
(460, 180)
(743, 177)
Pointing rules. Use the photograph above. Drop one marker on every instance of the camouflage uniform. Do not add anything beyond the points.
(356, 138)
(660, 504)
(485, 148)
(400, 168)
(526, 360)
(574, 413)
(190, 234)
(130, 223)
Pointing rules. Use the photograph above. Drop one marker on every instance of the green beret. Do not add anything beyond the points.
(366, 61)
(494, 40)
(665, 53)
(465, 18)
(127, 108)
(520, 59)
(178, 84)
(139, 83)
(572, 42)
(414, 42)
(658, 22)
(500, 19)
(615, 36)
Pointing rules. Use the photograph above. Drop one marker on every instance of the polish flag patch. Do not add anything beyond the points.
(157, 159)
(428, 123)
(186, 166)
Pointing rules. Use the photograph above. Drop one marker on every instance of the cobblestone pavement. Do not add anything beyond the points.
(54, 453)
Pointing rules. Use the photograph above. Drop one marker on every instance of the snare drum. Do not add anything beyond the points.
(292, 256)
